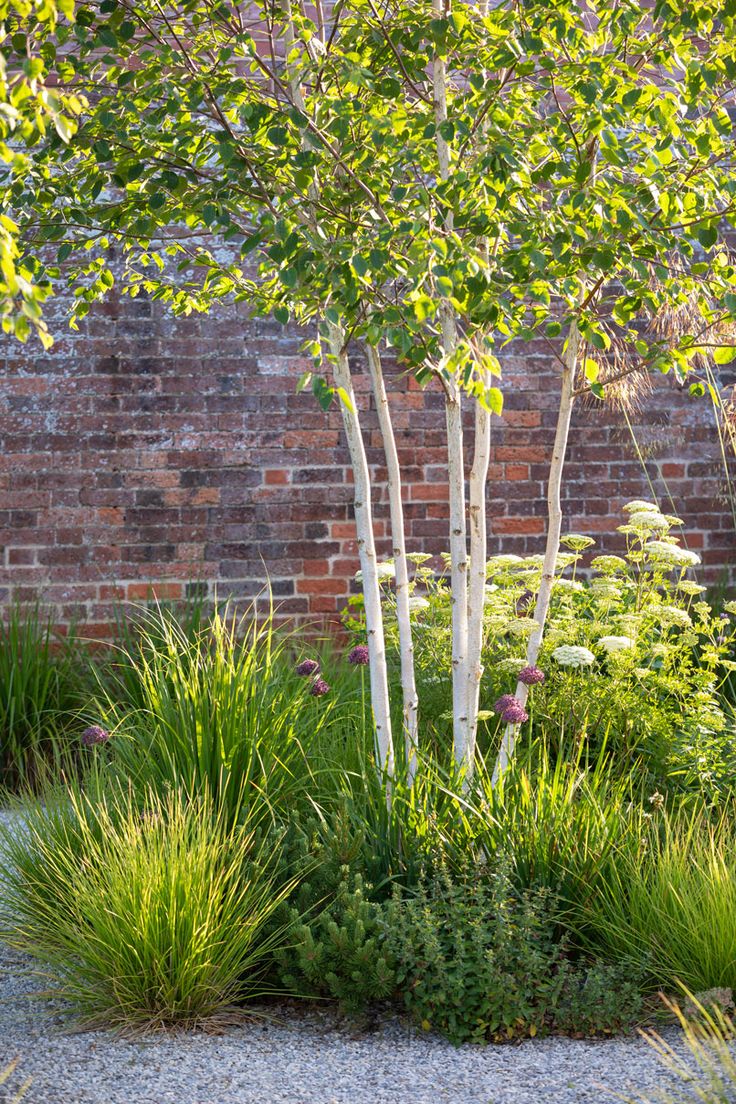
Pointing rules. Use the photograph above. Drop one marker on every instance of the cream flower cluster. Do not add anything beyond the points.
(383, 570)
(616, 643)
(671, 554)
(572, 655)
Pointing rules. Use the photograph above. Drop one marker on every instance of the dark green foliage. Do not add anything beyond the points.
(44, 678)
(479, 962)
(600, 999)
(341, 953)
(337, 946)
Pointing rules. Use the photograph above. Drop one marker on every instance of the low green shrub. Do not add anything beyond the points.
(477, 962)
(670, 903)
(341, 952)
(143, 913)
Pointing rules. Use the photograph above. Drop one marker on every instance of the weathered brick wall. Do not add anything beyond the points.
(149, 450)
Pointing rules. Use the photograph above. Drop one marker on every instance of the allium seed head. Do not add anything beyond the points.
(503, 703)
(515, 713)
(531, 675)
(307, 667)
(95, 735)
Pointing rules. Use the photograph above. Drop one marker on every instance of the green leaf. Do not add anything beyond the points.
(724, 354)
(345, 399)
(492, 399)
(591, 369)
(707, 236)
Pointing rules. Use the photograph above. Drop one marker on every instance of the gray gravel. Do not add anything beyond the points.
(300, 1058)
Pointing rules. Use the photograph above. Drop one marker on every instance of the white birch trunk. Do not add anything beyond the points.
(477, 583)
(398, 540)
(554, 508)
(378, 670)
(367, 554)
(458, 574)
(455, 458)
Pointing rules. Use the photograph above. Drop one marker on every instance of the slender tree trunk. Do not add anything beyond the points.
(367, 553)
(455, 457)
(554, 508)
(396, 509)
(458, 573)
(378, 670)
(477, 586)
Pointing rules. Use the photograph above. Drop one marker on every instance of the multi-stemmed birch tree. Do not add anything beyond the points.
(436, 180)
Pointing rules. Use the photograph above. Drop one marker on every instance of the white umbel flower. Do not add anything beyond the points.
(671, 554)
(609, 564)
(383, 571)
(673, 615)
(418, 603)
(648, 519)
(569, 584)
(616, 643)
(571, 655)
(577, 541)
(639, 504)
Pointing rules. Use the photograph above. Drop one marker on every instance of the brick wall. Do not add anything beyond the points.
(145, 450)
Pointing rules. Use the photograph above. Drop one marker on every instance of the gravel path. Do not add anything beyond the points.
(300, 1059)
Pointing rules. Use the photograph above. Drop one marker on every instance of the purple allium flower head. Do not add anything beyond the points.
(503, 703)
(308, 667)
(723, 616)
(319, 687)
(515, 713)
(94, 735)
(531, 675)
(359, 655)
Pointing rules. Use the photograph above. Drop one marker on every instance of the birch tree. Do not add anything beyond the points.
(417, 179)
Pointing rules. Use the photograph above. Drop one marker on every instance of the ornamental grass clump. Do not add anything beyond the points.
(140, 914)
(669, 903)
(43, 680)
(222, 711)
(704, 1071)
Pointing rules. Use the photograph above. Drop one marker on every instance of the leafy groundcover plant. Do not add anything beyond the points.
(144, 913)
(468, 957)
(477, 961)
